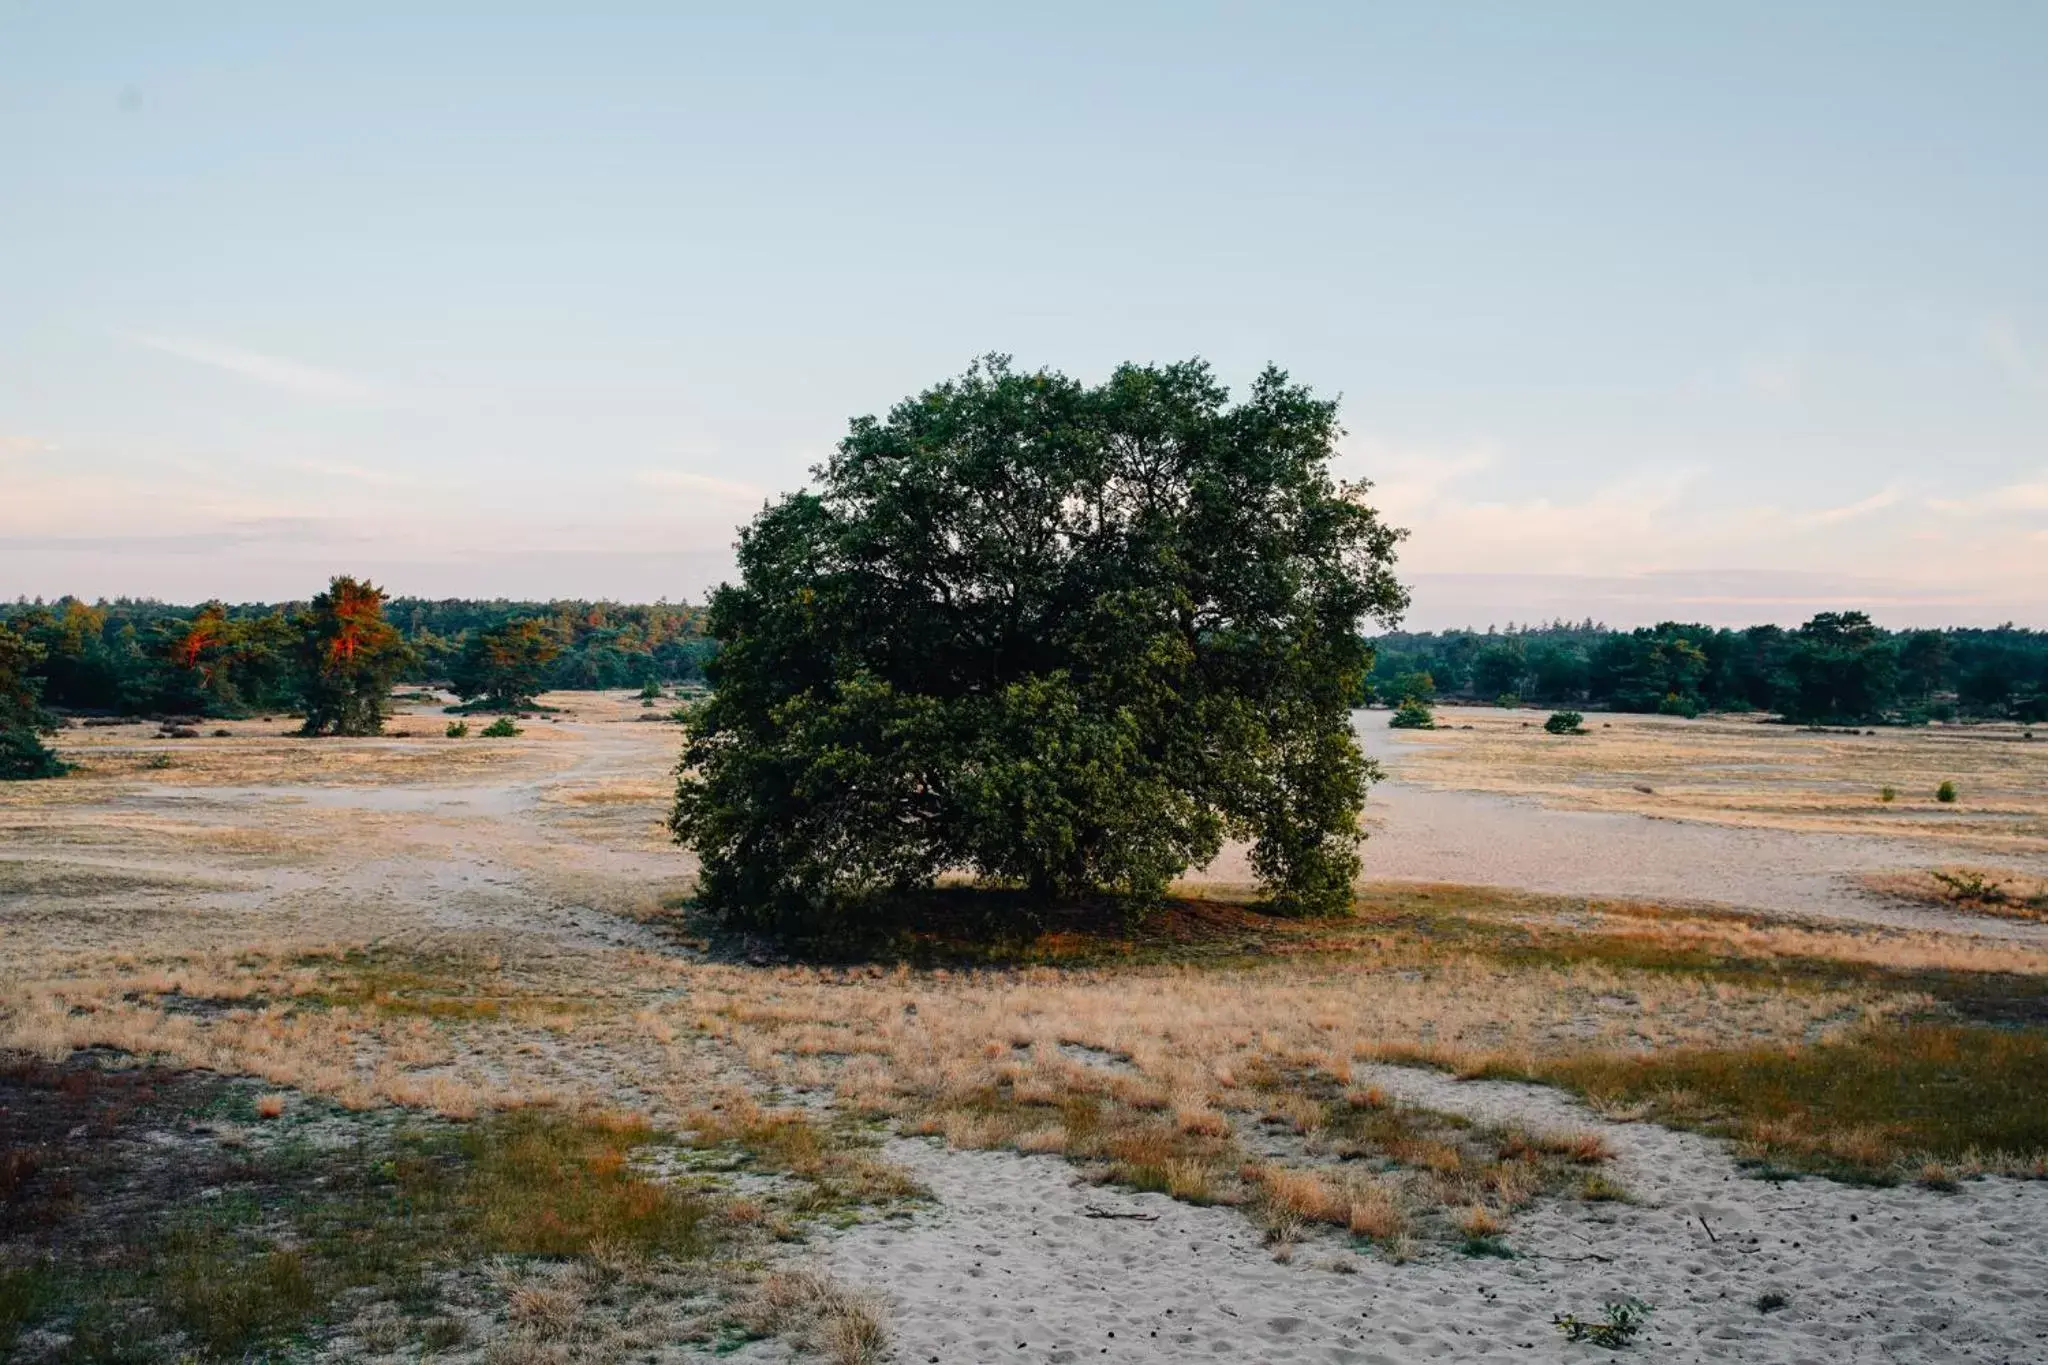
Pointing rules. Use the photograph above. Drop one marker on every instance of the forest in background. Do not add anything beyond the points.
(1837, 668)
(140, 657)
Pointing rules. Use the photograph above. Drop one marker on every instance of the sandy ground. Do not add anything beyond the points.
(1021, 1265)
(1425, 832)
(556, 837)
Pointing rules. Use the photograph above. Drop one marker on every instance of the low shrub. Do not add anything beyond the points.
(1412, 715)
(1946, 793)
(501, 728)
(1615, 1328)
(457, 729)
(1565, 723)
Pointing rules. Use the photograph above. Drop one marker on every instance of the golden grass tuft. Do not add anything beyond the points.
(1375, 1213)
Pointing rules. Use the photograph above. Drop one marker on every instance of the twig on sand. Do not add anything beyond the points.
(1709, 1227)
(1097, 1211)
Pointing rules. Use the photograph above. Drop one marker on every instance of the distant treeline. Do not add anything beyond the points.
(139, 657)
(1838, 668)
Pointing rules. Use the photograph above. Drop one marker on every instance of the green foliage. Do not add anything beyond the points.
(24, 756)
(148, 658)
(220, 664)
(1412, 714)
(1063, 637)
(501, 728)
(1946, 793)
(1565, 723)
(1617, 1325)
(1499, 667)
(1971, 887)
(1887, 794)
(603, 645)
(1841, 670)
(348, 657)
(650, 690)
(1677, 704)
(1838, 668)
(1416, 686)
(23, 720)
(457, 729)
(506, 666)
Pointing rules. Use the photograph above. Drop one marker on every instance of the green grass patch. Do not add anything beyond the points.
(1869, 1107)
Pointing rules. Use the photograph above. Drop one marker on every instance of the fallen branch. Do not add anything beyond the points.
(1097, 1211)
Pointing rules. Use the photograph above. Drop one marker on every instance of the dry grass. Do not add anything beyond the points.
(1999, 892)
(1208, 1056)
(1739, 770)
(821, 1315)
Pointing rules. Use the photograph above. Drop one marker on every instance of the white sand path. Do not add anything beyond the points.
(1011, 1267)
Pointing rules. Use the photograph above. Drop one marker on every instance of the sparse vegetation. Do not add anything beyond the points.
(1207, 1050)
(501, 728)
(1565, 723)
(1946, 793)
(457, 729)
(296, 1238)
(1616, 1327)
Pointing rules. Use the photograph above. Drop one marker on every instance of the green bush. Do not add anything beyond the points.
(24, 756)
(1946, 793)
(1887, 794)
(1676, 705)
(1565, 723)
(1507, 701)
(1412, 715)
(457, 729)
(501, 728)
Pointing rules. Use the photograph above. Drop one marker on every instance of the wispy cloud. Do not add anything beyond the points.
(688, 481)
(379, 478)
(264, 369)
(1862, 507)
(20, 447)
(2028, 495)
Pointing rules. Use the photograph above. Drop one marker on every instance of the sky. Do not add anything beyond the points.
(1725, 312)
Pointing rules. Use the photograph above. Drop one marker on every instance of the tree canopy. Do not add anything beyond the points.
(503, 668)
(349, 656)
(1838, 668)
(1059, 637)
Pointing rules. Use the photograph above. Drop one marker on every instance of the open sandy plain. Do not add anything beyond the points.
(1221, 1138)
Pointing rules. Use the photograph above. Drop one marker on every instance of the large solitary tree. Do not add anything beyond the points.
(349, 655)
(1060, 637)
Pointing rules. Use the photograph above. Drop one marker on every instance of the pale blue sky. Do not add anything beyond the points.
(1725, 311)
